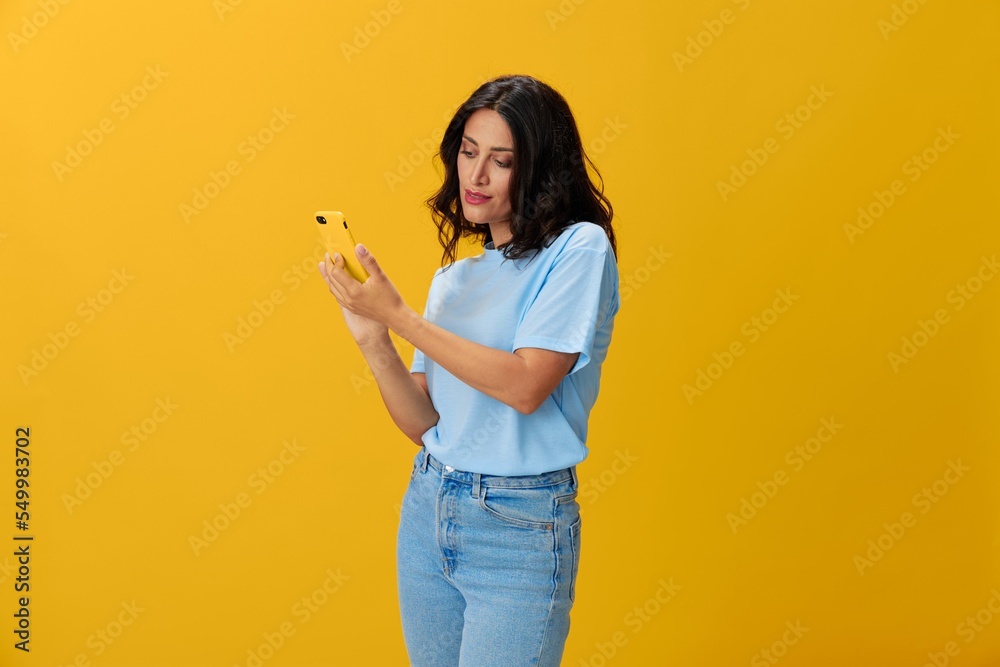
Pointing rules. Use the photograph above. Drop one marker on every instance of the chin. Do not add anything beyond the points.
(477, 218)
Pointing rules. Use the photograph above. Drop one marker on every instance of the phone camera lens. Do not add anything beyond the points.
(320, 219)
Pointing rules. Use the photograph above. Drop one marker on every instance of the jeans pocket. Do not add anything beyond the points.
(417, 462)
(527, 508)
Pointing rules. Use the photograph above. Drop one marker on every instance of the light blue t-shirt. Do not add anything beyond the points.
(563, 298)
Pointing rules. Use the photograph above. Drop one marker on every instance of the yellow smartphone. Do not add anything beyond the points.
(337, 237)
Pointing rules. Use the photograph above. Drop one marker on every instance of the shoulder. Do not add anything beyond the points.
(579, 248)
(578, 242)
(581, 236)
(459, 269)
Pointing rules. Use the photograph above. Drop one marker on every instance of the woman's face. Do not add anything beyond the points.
(484, 166)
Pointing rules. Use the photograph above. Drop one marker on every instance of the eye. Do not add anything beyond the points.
(503, 165)
(467, 153)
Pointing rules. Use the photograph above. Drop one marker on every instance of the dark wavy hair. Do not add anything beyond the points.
(550, 187)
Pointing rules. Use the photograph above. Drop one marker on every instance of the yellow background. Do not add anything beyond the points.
(350, 128)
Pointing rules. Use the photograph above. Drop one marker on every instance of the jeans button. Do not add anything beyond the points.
(449, 469)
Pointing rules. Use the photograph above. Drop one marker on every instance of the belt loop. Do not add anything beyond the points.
(476, 480)
(576, 482)
(423, 464)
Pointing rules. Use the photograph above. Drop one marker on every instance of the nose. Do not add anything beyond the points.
(479, 175)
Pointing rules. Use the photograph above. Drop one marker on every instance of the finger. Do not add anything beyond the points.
(342, 297)
(368, 261)
(327, 270)
(334, 262)
(338, 272)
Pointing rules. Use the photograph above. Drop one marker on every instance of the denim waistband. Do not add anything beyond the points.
(515, 481)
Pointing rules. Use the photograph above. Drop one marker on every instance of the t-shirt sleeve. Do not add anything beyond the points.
(418, 362)
(578, 295)
(417, 366)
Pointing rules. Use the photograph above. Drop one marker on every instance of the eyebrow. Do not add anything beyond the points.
(497, 149)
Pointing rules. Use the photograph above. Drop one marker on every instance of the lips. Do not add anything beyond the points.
(475, 198)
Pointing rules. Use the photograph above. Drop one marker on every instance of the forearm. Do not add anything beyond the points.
(497, 373)
(408, 404)
(522, 379)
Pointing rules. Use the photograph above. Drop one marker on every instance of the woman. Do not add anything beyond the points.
(506, 369)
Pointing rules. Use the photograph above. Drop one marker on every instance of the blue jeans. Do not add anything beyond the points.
(487, 566)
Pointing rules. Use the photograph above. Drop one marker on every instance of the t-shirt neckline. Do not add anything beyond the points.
(492, 254)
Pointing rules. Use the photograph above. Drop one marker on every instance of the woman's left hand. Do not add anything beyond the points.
(376, 298)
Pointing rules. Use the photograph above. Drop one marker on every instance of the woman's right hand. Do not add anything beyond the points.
(405, 396)
(363, 329)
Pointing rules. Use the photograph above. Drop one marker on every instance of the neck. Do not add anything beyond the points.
(500, 233)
